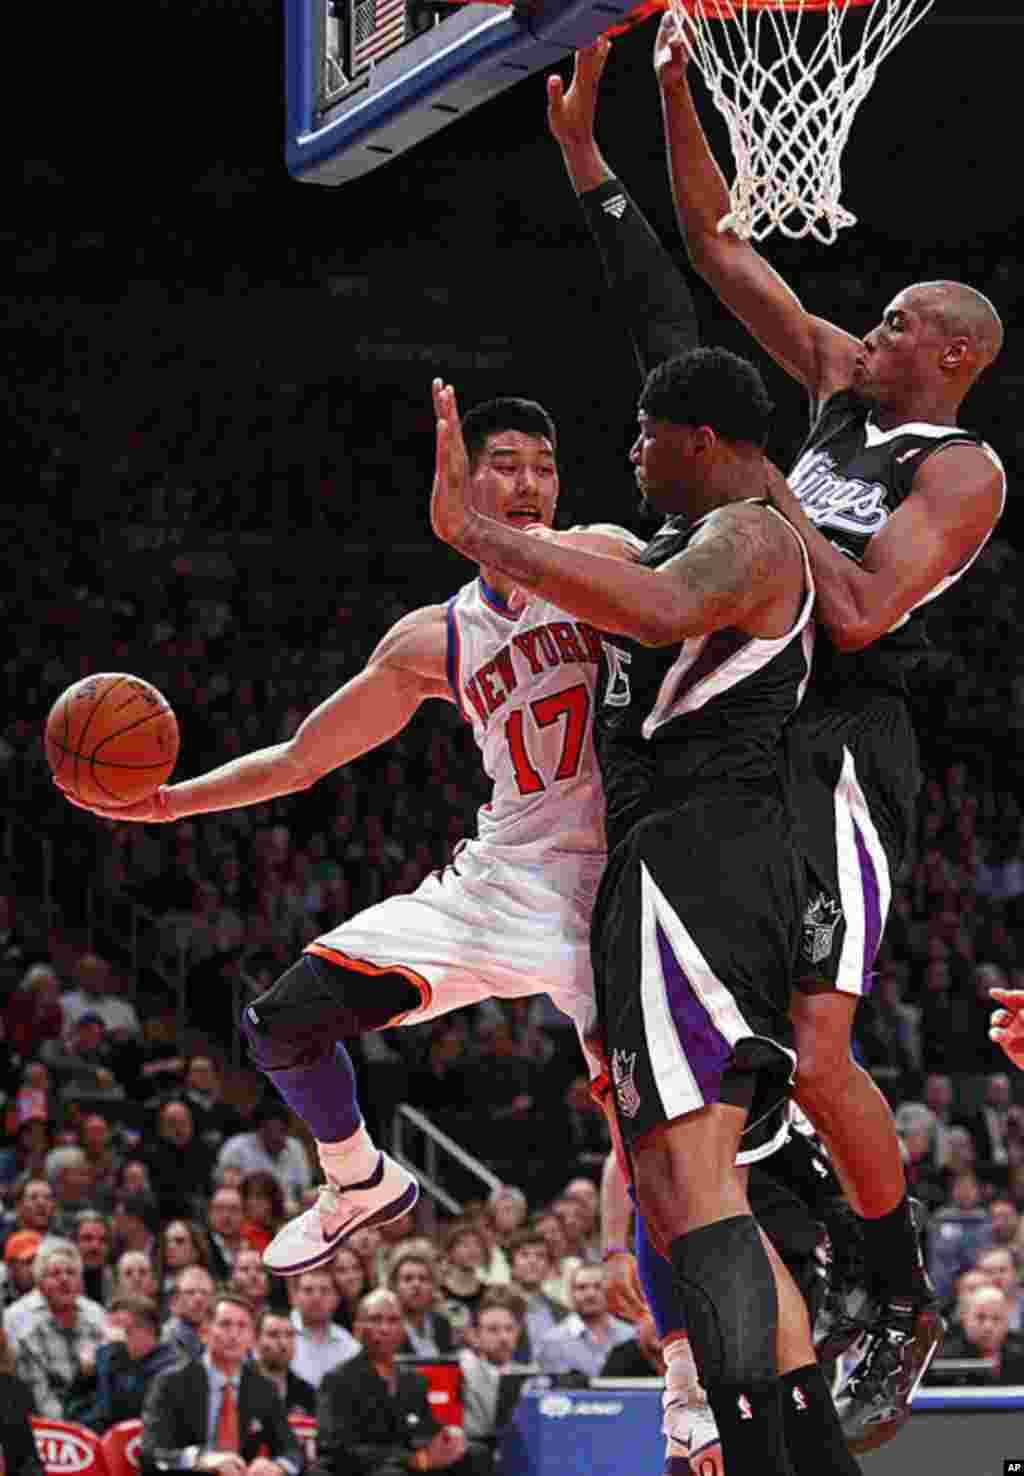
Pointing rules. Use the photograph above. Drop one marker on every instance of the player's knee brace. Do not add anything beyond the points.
(313, 1004)
(728, 1291)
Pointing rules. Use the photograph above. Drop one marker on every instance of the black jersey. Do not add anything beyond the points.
(850, 478)
(707, 710)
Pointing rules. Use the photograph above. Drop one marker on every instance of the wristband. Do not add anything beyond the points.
(616, 1250)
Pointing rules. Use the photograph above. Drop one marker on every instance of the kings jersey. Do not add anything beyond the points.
(850, 477)
(704, 711)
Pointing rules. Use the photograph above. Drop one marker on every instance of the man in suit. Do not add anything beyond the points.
(491, 1378)
(428, 1333)
(375, 1417)
(275, 1350)
(218, 1413)
(985, 1335)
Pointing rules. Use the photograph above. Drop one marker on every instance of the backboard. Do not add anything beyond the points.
(368, 79)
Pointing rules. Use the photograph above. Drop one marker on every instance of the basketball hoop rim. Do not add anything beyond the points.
(731, 9)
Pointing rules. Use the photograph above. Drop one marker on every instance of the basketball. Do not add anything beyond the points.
(111, 739)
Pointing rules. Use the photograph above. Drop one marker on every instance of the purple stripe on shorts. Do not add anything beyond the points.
(704, 1045)
(872, 906)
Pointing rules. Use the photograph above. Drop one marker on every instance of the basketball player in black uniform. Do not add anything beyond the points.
(697, 924)
(894, 501)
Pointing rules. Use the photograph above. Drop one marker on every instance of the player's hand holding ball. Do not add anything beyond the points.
(111, 742)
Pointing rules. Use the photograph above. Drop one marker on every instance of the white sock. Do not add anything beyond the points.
(350, 1161)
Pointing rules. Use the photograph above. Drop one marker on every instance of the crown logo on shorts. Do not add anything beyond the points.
(626, 1094)
(821, 919)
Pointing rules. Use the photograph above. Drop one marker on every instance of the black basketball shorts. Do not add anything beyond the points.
(694, 941)
(855, 777)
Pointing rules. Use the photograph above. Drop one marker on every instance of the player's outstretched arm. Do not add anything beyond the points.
(646, 290)
(954, 503)
(738, 564)
(818, 354)
(1008, 1023)
(408, 665)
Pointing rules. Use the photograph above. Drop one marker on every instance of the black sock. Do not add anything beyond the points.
(811, 1426)
(749, 1420)
(892, 1255)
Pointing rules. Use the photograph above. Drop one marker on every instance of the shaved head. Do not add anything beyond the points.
(960, 311)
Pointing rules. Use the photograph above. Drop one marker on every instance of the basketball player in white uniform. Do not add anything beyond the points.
(510, 916)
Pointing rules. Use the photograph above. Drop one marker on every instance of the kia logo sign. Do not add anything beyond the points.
(556, 1406)
(60, 1450)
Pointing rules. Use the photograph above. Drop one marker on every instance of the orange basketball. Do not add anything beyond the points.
(111, 739)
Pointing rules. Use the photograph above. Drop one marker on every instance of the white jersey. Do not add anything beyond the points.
(525, 680)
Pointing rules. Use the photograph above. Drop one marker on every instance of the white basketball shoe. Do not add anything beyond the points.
(341, 1209)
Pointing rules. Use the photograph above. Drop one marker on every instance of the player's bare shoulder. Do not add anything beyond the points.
(417, 645)
(748, 561)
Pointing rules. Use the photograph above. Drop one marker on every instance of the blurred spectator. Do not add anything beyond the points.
(202, 1093)
(34, 1207)
(70, 1178)
(991, 1123)
(460, 1284)
(639, 1357)
(17, 1440)
(888, 1030)
(350, 1283)
(578, 1223)
(563, 1266)
(263, 1210)
(251, 1279)
(588, 1131)
(366, 1244)
(530, 1264)
(182, 1244)
(488, 1398)
(916, 1126)
(224, 1218)
(1002, 1266)
(320, 1344)
(375, 1416)
(27, 1156)
(105, 1162)
(179, 1165)
(582, 1341)
(194, 1417)
(17, 1275)
(508, 1210)
(494, 1267)
(57, 1350)
(938, 1098)
(95, 995)
(92, 1238)
(14, 950)
(135, 1276)
(1006, 1223)
(135, 1224)
(34, 1014)
(274, 1352)
(984, 1334)
(81, 1062)
(127, 1363)
(185, 1329)
(270, 1150)
(957, 1235)
(428, 1332)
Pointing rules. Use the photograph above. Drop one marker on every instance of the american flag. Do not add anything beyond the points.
(378, 26)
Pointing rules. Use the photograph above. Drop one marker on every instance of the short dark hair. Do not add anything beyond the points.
(140, 1207)
(140, 1309)
(503, 1297)
(507, 413)
(520, 1239)
(710, 386)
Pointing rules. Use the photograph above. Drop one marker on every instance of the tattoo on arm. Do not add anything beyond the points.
(731, 565)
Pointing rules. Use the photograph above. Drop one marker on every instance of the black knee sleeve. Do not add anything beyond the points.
(315, 1003)
(728, 1290)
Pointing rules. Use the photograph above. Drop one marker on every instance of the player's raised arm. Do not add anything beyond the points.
(741, 562)
(408, 666)
(646, 291)
(818, 354)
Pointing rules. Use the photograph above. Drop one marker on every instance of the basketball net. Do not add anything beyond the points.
(788, 81)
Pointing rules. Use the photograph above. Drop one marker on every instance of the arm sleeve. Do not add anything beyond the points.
(648, 291)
